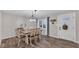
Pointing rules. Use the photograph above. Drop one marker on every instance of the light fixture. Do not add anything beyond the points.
(53, 21)
(33, 17)
(34, 13)
(32, 20)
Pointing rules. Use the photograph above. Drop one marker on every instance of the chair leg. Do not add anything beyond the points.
(19, 43)
(26, 41)
(34, 40)
(30, 41)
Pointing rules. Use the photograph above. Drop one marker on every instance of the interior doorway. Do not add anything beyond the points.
(42, 24)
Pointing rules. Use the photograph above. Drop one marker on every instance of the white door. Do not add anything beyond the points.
(42, 23)
(44, 27)
(67, 27)
(53, 28)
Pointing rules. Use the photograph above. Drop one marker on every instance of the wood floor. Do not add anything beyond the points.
(45, 42)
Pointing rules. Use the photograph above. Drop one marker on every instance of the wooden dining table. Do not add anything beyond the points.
(30, 33)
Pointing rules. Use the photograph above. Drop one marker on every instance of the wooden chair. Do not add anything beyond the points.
(27, 38)
(20, 35)
(32, 36)
(35, 36)
(38, 34)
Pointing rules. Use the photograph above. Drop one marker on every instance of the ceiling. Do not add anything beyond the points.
(39, 14)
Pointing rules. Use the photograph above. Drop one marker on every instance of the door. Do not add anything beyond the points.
(42, 23)
(67, 27)
(44, 27)
(53, 27)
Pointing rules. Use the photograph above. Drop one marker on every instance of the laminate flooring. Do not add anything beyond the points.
(45, 42)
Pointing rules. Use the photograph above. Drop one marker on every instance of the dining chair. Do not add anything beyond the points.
(38, 34)
(20, 35)
(32, 36)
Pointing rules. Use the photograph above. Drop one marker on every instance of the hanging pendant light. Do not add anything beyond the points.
(33, 18)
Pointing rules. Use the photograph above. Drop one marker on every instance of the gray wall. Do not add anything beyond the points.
(0, 27)
(10, 22)
(8, 26)
(77, 26)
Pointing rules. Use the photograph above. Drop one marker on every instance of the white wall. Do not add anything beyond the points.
(53, 32)
(0, 27)
(70, 20)
(20, 21)
(9, 24)
(77, 26)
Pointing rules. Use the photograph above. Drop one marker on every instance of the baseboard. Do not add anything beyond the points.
(64, 39)
(54, 36)
(77, 42)
(8, 37)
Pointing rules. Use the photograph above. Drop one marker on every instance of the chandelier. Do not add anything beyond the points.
(33, 16)
(34, 13)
